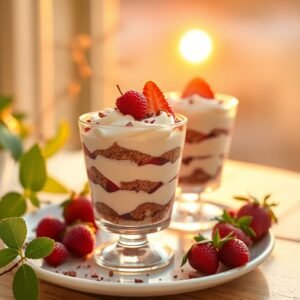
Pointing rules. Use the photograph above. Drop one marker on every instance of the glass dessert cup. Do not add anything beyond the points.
(207, 144)
(132, 173)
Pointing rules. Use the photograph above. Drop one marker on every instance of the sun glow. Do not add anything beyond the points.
(195, 46)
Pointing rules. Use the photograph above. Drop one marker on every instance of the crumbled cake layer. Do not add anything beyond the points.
(188, 159)
(147, 186)
(193, 136)
(198, 176)
(119, 153)
(145, 213)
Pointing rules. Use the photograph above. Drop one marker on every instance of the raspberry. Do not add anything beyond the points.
(58, 255)
(132, 103)
(80, 240)
(79, 209)
(51, 228)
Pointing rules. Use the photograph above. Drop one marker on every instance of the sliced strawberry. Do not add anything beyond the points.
(198, 86)
(156, 100)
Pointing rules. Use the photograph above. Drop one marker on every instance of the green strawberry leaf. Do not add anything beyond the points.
(241, 198)
(52, 185)
(25, 284)
(200, 238)
(184, 259)
(7, 255)
(12, 205)
(13, 232)
(34, 199)
(244, 220)
(11, 142)
(33, 173)
(5, 101)
(58, 141)
(39, 248)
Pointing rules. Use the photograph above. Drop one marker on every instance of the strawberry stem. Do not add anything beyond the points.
(118, 87)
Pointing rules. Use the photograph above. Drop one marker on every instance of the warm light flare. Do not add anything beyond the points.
(195, 46)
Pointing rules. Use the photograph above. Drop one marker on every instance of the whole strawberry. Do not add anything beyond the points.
(202, 256)
(80, 240)
(239, 227)
(132, 103)
(261, 213)
(234, 253)
(51, 227)
(79, 209)
(58, 255)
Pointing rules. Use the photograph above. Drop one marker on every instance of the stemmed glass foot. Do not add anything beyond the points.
(133, 253)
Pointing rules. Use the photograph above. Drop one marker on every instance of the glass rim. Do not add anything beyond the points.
(229, 99)
(183, 121)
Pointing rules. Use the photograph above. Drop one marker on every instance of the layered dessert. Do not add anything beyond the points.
(210, 121)
(133, 155)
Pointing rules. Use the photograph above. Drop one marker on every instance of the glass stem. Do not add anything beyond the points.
(132, 240)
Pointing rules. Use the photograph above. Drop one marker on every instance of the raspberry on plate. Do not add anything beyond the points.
(58, 255)
(79, 208)
(80, 240)
(51, 227)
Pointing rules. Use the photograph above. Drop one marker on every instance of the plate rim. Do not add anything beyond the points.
(134, 289)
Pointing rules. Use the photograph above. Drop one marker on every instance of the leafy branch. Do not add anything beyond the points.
(13, 233)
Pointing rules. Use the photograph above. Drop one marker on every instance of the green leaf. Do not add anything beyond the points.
(25, 284)
(244, 220)
(200, 238)
(12, 205)
(11, 142)
(34, 199)
(52, 185)
(58, 141)
(39, 248)
(13, 232)
(7, 255)
(241, 198)
(184, 259)
(33, 169)
(5, 101)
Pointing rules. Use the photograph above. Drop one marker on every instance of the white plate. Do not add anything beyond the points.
(171, 280)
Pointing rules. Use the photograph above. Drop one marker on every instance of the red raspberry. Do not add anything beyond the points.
(132, 103)
(58, 255)
(234, 253)
(79, 209)
(204, 258)
(80, 240)
(51, 228)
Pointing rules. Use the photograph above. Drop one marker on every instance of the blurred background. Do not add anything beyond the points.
(59, 59)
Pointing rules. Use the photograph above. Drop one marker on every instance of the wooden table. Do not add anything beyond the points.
(277, 278)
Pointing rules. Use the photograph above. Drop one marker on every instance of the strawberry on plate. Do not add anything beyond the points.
(156, 100)
(202, 256)
(50, 227)
(58, 255)
(239, 227)
(261, 213)
(198, 86)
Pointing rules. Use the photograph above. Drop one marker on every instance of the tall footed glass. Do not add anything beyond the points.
(208, 138)
(132, 172)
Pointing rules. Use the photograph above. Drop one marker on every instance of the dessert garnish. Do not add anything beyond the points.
(156, 100)
(132, 103)
(141, 105)
(239, 227)
(198, 86)
(205, 255)
(261, 213)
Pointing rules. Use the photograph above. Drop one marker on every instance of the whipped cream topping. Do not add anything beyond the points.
(111, 123)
